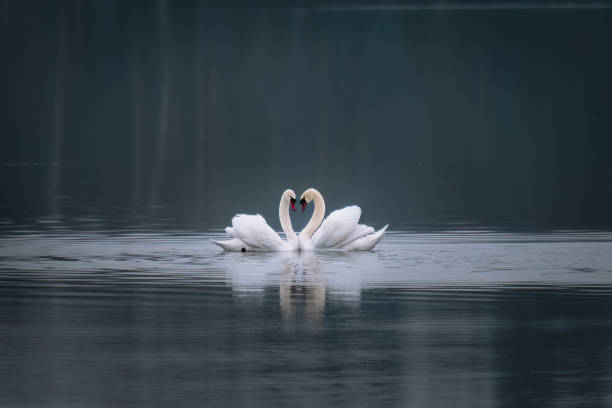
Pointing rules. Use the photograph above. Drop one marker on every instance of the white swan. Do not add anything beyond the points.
(252, 233)
(340, 231)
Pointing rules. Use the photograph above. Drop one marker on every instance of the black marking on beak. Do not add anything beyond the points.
(304, 203)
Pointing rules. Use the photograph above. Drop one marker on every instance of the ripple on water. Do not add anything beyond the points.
(441, 260)
(462, 319)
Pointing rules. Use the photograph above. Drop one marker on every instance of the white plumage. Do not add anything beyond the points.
(340, 231)
(256, 234)
(252, 232)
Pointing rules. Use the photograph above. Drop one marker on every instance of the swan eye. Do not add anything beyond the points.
(304, 203)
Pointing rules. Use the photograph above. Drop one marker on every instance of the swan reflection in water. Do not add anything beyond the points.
(305, 281)
(302, 285)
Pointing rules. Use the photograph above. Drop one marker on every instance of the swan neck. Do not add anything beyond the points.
(285, 220)
(317, 215)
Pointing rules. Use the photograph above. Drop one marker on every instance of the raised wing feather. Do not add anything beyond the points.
(359, 232)
(339, 226)
(368, 242)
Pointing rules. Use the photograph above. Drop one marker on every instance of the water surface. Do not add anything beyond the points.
(463, 319)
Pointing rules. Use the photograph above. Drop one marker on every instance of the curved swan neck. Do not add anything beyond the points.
(317, 215)
(285, 221)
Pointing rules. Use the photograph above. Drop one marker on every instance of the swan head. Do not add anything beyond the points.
(290, 196)
(308, 196)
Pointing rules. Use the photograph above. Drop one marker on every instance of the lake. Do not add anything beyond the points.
(131, 132)
(464, 318)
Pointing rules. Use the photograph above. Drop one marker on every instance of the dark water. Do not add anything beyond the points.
(451, 319)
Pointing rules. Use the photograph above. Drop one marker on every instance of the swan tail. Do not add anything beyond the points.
(232, 245)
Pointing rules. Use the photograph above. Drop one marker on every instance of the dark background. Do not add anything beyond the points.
(428, 115)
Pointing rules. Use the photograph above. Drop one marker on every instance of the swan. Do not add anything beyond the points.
(340, 231)
(252, 233)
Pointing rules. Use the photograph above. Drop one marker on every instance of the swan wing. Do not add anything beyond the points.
(337, 228)
(359, 232)
(255, 232)
(368, 242)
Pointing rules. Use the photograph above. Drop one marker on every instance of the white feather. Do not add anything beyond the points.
(233, 245)
(256, 233)
(368, 242)
(252, 232)
(340, 231)
(337, 227)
